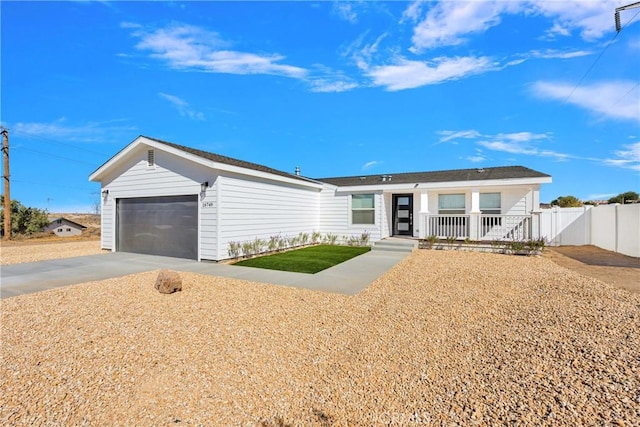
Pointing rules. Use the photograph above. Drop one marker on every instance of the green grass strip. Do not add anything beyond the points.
(306, 260)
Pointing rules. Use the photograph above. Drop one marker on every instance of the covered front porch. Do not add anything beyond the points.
(498, 213)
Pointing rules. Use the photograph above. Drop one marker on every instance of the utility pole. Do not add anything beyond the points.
(7, 196)
(621, 8)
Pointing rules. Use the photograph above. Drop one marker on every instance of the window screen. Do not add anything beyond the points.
(490, 203)
(451, 204)
(363, 209)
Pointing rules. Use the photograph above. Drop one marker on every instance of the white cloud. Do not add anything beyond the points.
(370, 164)
(521, 143)
(628, 158)
(526, 143)
(450, 135)
(478, 157)
(182, 106)
(613, 99)
(187, 47)
(557, 54)
(413, 12)
(106, 131)
(593, 19)
(345, 11)
(449, 23)
(446, 23)
(327, 85)
(406, 74)
(513, 143)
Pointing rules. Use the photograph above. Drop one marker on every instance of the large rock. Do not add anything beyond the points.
(168, 282)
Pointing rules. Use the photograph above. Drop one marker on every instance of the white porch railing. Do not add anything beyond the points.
(444, 226)
(479, 227)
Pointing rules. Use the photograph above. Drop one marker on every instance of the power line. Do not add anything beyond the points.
(598, 58)
(54, 156)
(32, 135)
(46, 184)
(627, 93)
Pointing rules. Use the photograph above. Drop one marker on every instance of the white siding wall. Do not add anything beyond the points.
(515, 201)
(170, 176)
(107, 223)
(252, 208)
(335, 215)
(333, 212)
(208, 211)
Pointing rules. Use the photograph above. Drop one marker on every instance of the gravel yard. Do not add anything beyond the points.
(18, 252)
(443, 338)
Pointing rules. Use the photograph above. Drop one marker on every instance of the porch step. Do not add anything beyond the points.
(396, 245)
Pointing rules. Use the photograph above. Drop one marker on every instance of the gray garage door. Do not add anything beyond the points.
(165, 226)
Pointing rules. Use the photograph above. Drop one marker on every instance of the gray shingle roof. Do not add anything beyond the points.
(228, 160)
(476, 174)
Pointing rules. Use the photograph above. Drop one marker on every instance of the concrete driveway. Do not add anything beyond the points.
(349, 278)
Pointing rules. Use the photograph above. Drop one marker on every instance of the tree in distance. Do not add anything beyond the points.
(623, 197)
(567, 202)
(24, 220)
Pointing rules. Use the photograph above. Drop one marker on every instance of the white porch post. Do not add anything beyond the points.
(474, 214)
(424, 215)
(535, 213)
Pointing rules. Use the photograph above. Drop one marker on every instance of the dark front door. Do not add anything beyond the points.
(403, 215)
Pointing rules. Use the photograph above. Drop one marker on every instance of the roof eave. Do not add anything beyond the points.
(446, 184)
(99, 173)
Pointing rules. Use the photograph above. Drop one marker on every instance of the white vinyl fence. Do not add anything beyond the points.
(612, 227)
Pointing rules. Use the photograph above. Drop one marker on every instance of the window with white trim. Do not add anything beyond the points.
(490, 203)
(363, 209)
(451, 204)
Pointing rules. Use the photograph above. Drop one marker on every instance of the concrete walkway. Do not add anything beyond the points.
(349, 277)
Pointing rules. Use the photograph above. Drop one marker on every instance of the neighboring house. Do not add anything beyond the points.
(64, 228)
(166, 199)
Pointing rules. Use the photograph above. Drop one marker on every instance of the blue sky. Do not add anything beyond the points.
(337, 88)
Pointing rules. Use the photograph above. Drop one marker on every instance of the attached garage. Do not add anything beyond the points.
(166, 226)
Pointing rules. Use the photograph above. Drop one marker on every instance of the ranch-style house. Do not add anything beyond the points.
(167, 199)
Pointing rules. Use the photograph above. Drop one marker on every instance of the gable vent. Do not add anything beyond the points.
(151, 158)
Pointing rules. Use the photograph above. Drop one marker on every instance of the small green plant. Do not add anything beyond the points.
(234, 249)
(330, 238)
(352, 240)
(364, 238)
(535, 246)
(282, 243)
(303, 238)
(258, 246)
(315, 237)
(293, 241)
(451, 239)
(430, 241)
(247, 249)
(467, 241)
(272, 244)
(516, 246)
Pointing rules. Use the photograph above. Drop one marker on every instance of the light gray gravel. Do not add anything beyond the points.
(444, 338)
(20, 252)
